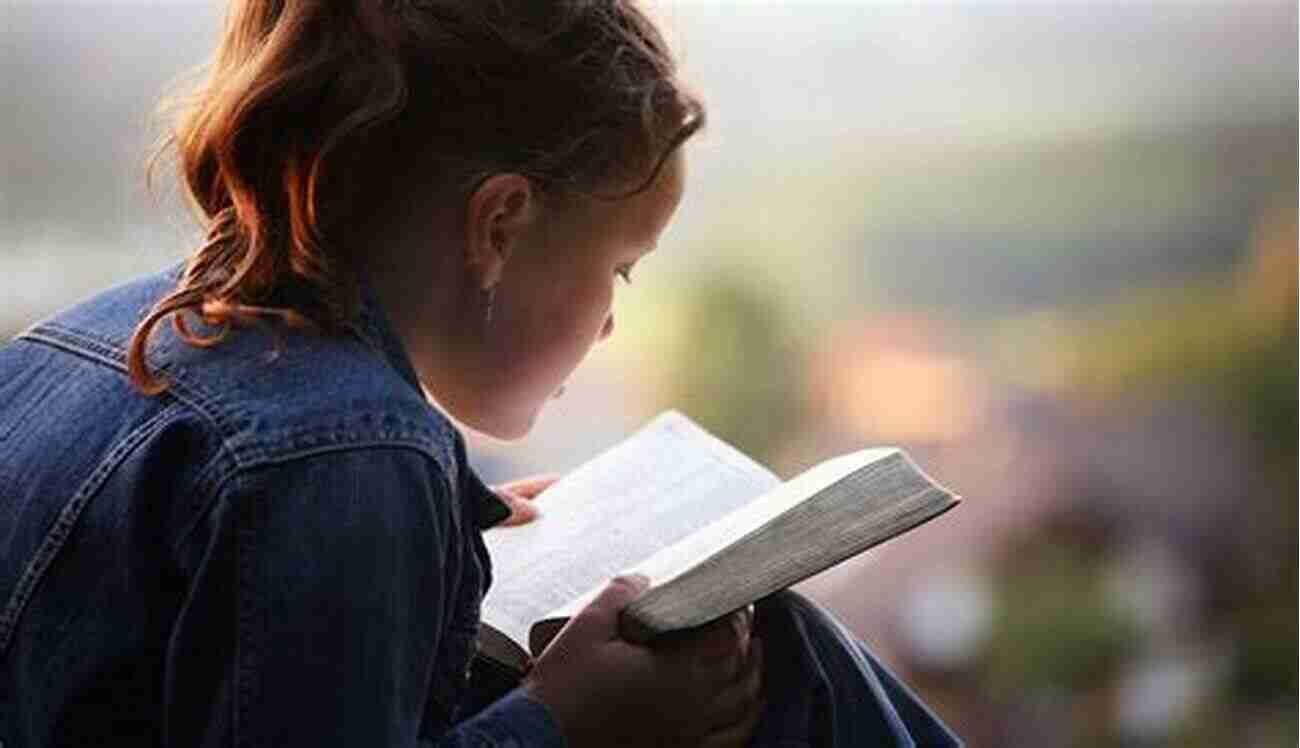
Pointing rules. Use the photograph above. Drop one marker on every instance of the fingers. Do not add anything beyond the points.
(724, 690)
(733, 702)
(722, 637)
(522, 510)
(621, 590)
(531, 486)
(518, 495)
(742, 626)
(740, 707)
(718, 668)
(738, 734)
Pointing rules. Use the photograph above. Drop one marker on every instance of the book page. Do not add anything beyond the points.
(671, 561)
(648, 492)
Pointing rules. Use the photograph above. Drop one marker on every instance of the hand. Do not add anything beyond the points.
(519, 495)
(728, 643)
(692, 688)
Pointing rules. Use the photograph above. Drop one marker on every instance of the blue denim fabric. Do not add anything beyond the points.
(283, 549)
(826, 688)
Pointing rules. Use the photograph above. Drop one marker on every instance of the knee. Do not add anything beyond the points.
(790, 608)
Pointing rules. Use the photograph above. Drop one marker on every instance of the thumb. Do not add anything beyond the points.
(604, 608)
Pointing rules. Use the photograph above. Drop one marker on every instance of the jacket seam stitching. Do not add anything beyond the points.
(93, 349)
(66, 521)
(287, 457)
(217, 485)
(208, 485)
(245, 538)
(54, 336)
(184, 392)
(199, 399)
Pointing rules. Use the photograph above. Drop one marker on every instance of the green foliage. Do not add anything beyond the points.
(736, 371)
(1264, 390)
(1055, 629)
(1264, 667)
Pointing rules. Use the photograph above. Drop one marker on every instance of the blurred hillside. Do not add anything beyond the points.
(1025, 150)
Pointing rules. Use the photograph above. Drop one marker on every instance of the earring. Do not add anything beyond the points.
(490, 295)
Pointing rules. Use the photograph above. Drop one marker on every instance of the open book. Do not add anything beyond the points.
(711, 528)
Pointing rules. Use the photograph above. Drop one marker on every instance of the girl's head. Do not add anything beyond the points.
(452, 151)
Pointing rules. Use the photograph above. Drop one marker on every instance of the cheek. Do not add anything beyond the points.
(583, 314)
(601, 303)
(563, 327)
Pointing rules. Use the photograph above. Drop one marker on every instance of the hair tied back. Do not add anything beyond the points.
(320, 118)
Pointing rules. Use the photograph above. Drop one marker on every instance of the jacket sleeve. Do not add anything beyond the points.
(316, 614)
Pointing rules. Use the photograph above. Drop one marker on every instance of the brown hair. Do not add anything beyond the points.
(318, 114)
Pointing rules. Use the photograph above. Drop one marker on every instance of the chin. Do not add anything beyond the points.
(513, 433)
(507, 427)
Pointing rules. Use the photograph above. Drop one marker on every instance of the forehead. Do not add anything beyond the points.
(642, 217)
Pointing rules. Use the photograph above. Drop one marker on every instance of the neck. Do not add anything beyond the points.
(420, 279)
(421, 284)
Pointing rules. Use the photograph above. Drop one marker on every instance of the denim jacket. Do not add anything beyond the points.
(282, 549)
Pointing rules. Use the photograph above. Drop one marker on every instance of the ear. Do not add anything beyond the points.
(500, 212)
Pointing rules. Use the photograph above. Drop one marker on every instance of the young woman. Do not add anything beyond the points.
(231, 514)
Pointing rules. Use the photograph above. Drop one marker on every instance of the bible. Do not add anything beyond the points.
(712, 529)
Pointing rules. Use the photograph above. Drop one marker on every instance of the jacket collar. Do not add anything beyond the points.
(374, 328)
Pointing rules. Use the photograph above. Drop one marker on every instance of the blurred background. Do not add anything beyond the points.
(1050, 249)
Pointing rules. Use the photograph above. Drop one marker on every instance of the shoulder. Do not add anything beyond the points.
(358, 495)
(271, 394)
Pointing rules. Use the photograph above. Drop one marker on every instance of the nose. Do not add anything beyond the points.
(608, 329)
